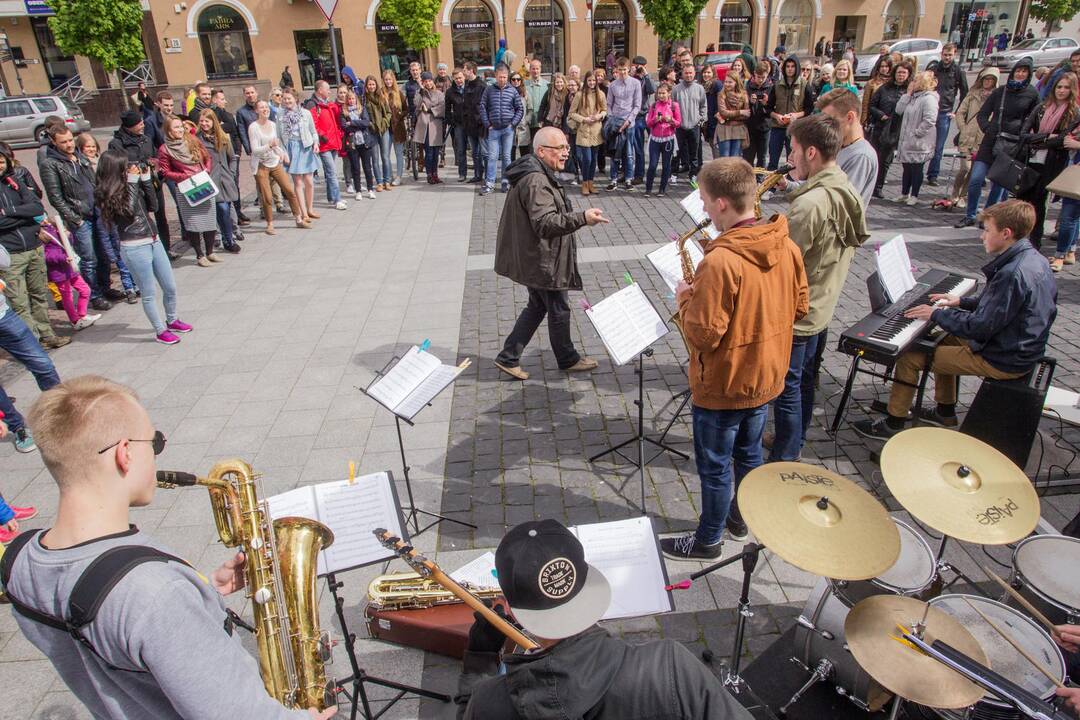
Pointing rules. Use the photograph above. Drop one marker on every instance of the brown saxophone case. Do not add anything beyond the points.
(442, 629)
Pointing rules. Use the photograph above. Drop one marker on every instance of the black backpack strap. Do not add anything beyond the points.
(7, 562)
(10, 551)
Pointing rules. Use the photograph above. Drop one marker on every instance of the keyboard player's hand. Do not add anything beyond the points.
(945, 300)
(920, 312)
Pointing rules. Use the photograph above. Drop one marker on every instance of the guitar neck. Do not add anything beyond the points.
(476, 604)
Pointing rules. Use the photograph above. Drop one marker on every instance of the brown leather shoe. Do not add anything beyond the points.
(515, 372)
(55, 341)
(585, 364)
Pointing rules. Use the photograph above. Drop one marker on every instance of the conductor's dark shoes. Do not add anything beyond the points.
(583, 365)
(513, 371)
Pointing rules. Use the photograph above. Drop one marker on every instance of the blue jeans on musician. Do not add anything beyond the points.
(499, 144)
(586, 160)
(150, 263)
(225, 223)
(943, 124)
(639, 131)
(979, 169)
(722, 439)
(778, 142)
(659, 150)
(329, 167)
(729, 148)
(17, 340)
(110, 243)
(795, 406)
(1068, 225)
(82, 241)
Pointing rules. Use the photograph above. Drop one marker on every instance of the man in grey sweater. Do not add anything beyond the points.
(693, 106)
(159, 644)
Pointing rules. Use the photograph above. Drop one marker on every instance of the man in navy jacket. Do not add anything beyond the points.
(501, 110)
(999, 334)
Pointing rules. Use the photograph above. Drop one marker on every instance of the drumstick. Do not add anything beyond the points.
(1020, 599)
(1018, 649)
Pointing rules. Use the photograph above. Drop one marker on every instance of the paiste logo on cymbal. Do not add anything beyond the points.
(557, 578)
(796, 477)
(996, 513)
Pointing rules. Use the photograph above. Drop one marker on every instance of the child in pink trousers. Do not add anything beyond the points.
(62, 271)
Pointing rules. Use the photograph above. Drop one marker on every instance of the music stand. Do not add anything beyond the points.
(414, 512)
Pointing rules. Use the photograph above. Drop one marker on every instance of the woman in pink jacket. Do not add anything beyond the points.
(662, 120)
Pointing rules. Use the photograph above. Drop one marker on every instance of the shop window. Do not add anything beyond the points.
(736, 22)
(544, 33)
(900, 20)
(225, 43)
(393, 53)
(315, 57)
(472, 30)
(794, 26)
(59, 66)
(611, 33)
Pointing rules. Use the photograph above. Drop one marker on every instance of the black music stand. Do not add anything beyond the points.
(414, 512)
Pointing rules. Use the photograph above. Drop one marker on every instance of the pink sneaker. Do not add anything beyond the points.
(23, 513)
(6, 535)
(167, 338)
(180, 326)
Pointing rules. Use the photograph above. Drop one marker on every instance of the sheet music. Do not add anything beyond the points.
(299, 502)
(695, 208)
(894, 268)
(479, 573)
(667, 262)
(627, 323)
(625, 551)
(406, 376)
(432, 385)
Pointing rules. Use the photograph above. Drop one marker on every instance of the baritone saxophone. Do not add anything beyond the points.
(281, 560)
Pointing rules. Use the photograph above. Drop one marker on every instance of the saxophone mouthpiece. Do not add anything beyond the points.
(785, 169)
(704, 224)
(176, 478)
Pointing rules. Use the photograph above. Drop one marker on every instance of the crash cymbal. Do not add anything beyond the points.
(818, 521)
(960, 486)
(902, 669)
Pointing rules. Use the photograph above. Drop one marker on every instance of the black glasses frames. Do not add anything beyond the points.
(158, 443)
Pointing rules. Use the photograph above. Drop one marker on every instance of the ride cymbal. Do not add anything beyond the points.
(960, 486)
(902, 669)
(818, 521)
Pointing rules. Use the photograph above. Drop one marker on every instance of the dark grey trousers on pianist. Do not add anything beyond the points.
(555, 305)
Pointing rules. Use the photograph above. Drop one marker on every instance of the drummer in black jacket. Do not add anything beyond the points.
(1001, 118)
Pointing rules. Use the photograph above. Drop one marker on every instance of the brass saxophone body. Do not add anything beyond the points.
(687, 264)
(281, 560)
(767, 183)
(410, 591)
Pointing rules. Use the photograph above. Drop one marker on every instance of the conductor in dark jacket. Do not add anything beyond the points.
(536, 248)
(580, 671)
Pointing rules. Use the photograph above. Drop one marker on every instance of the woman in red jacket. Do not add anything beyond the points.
(180, 157)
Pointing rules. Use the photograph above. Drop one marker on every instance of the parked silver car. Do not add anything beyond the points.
(22, 117)
(923, 50)
(1042, 51)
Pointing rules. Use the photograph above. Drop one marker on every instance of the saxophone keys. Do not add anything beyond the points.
(263, 595)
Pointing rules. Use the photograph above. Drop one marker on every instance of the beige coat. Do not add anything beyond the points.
(969, 133)
(430, 117)
(588, 134)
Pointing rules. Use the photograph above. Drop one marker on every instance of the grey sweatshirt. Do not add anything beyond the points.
(162, 617)
(859, 162)
(692, 103)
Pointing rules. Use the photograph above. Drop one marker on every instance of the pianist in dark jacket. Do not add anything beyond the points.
(1000, 334)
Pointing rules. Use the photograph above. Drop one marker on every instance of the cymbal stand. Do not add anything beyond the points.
(941, 565)
(749, 557)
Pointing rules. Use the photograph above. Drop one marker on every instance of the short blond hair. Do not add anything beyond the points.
(925, 80)
(842, 99)
(78, 417)
(731, 178)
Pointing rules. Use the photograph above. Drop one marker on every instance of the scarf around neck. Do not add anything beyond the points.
(1052, 115)
(179, 150)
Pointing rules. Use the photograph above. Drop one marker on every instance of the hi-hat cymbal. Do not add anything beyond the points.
(901, 669)
(960, 486)
(818, 521)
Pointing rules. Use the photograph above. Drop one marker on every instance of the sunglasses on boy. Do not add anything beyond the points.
(158, 443)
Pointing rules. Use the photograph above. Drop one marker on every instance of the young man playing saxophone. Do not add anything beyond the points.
(158, 647)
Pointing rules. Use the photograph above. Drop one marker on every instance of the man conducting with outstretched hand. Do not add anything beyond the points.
(580, 671)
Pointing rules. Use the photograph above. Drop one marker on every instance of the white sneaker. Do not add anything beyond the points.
(86, 321)
(370, 194)
(342, 205)
(397, 181)
(902, 198)
(359, 194)
(349, 189)
(912, 200)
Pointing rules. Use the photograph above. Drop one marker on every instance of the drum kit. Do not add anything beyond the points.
(878, 574)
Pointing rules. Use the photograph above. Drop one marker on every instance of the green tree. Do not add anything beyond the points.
(1054, 11)
(415, 20)
(672, 19)
(109, 31)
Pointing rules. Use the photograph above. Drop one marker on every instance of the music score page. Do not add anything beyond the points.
(627, 323)
(695, 208)
(667, 262)
(894, 268)
(412, 382)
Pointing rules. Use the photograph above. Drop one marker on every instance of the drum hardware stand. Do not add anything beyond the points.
(359, 677)
(749, 556)
(640, 438)
(821, 673)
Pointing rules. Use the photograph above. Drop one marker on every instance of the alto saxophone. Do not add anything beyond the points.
(410, 591)
(280, 568)
(687, 264)
(767, 184)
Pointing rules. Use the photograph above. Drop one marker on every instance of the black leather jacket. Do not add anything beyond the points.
(139, 148)
(18, 208)
(141, 200)
(63, 181)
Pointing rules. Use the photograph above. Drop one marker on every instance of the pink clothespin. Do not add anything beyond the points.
(684, 585)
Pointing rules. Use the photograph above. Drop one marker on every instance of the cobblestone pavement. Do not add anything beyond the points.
(287, 331)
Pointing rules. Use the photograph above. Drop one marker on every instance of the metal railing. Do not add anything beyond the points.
(143, 72)
(72, 89)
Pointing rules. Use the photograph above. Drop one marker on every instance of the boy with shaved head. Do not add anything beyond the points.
(159, 645)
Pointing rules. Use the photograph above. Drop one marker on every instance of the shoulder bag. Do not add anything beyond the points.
(1067, 183)
(1013, 174)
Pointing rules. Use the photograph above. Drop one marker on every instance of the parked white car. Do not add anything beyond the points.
(1042, 51)
(923, 50)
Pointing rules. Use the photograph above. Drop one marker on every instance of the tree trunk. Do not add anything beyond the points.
(123, 90)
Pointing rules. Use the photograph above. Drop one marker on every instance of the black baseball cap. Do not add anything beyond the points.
(640, 60)
(548, 585)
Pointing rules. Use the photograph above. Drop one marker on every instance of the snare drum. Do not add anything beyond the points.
(1003, 658)
(1046, 566)
(914, 570)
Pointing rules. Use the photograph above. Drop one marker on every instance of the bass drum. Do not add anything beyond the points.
(1004, 660)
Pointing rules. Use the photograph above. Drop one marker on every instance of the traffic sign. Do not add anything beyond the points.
(327, 7)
